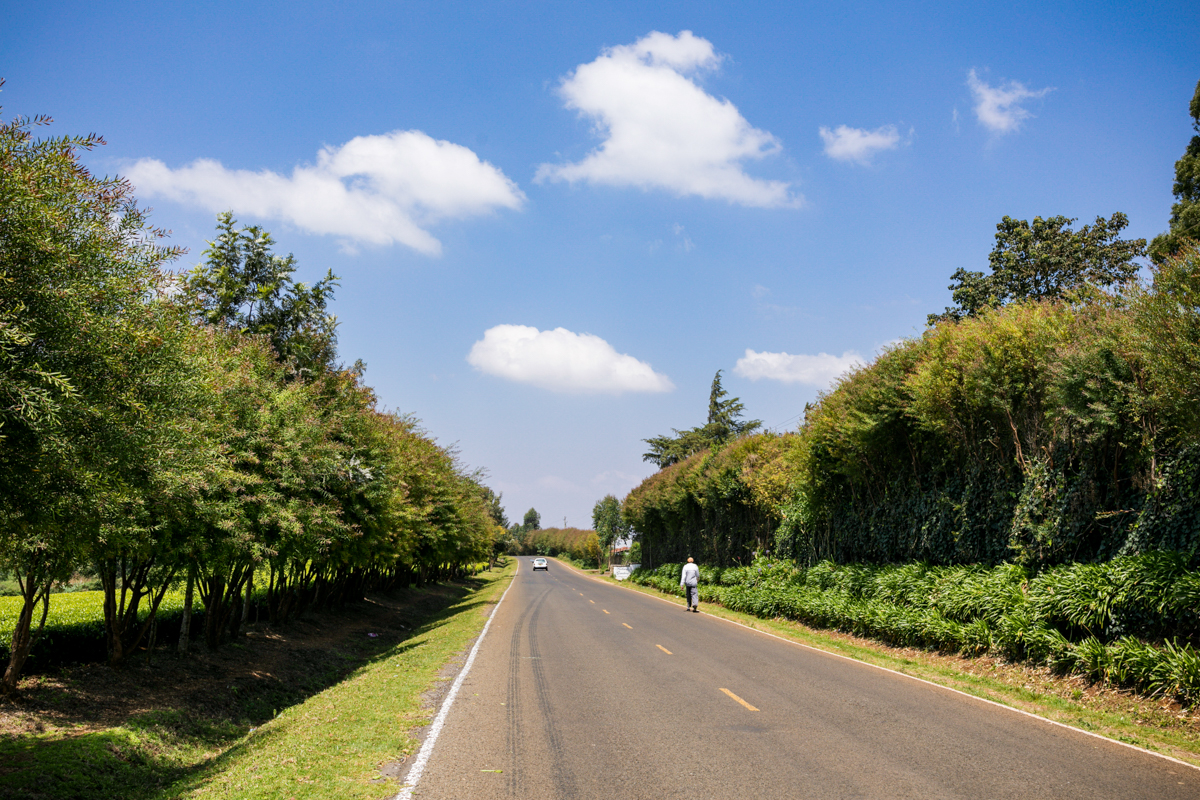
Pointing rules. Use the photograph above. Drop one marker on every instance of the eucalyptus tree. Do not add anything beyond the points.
(78, 261)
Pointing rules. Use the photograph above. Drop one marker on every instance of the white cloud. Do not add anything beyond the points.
(998, 108)
(378, 190)
(844, 143)
(562, 361)
(820, 370)
(662, 131)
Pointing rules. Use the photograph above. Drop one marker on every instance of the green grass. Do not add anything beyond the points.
(333, 744)
(328, 746)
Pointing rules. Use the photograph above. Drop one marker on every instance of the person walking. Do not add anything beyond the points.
(690, 581)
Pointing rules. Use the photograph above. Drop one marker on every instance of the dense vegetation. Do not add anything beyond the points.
(1076, 618)
(575, 544)
(1039, 443)
(192, 432)
(1049, 416)
(1040, 432)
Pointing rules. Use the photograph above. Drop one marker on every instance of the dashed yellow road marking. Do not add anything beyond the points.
(593, 602)
(605, 610)
(627, 625)
(665, 650)
(740, 700)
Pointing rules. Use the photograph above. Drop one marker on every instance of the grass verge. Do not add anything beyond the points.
(1154, 724)
(333, 744)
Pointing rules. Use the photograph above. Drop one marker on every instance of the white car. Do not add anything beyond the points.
(541, 563)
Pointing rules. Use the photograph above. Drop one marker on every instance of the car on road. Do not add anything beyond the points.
(541, 563)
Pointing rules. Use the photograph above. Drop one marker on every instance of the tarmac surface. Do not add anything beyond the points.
(582, 689)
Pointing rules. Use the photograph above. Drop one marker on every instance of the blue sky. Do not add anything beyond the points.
(554, 222)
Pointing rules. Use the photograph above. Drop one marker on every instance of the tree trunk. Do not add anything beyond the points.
(185, 626)
(249, 593)
(24, 636)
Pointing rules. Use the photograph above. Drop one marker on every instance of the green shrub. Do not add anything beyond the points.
(1099, 620)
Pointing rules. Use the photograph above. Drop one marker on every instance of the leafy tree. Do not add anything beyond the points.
(1185, 213)
(532, 521)
(724, 424)
(1045, 259)
(78, 264)
(495, 509)
(607, 521)
(244, 286)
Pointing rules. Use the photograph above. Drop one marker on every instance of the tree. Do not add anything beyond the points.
(78, 266)
(495, 509)
(608, 523)
(1185, 213)
(532, 521)
(1045, 259)
(724, 423)
(724, 420)
(244, 286)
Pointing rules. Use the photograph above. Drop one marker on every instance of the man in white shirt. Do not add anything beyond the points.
(690, 581)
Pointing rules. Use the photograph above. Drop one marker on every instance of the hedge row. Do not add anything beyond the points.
(1075, 618)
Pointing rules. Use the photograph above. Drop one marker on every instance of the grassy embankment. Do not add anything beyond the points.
(1156, 724)
(331, 744)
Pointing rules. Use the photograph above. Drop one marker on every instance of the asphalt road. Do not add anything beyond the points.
(584, 690)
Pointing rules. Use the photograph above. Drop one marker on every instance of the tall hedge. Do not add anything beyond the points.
(1038, 433)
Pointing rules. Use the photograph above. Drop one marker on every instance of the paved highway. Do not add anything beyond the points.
(582, 689)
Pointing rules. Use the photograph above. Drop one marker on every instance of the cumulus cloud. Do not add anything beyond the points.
(820, 370)
(661, 130)
(844, 143)
(998, 108)
(378, 190)
(562, 361)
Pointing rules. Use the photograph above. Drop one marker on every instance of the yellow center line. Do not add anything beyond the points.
(665, 650)
(605, 610)
(740, 700)
(627, 625)
(593, 602)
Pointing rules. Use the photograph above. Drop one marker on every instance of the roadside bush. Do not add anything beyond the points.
(1130, 621)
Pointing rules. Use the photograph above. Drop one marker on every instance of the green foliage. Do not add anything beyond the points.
(608, 523)
(75, 628)
(1045, 259)
(149, 433)
(244, 286)
(88, 347)
(724, 424)
(718, 506)
(1075, 618)
(1042, 432)
(580, 546)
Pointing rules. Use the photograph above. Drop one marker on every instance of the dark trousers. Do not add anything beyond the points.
(692, 594)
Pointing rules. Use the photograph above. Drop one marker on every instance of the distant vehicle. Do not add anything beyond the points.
(541, 563)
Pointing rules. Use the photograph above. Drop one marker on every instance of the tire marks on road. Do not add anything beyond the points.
(512, 705)
(564, 778)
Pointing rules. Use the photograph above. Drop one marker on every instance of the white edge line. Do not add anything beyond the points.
(1099, 736)
(418, 767)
